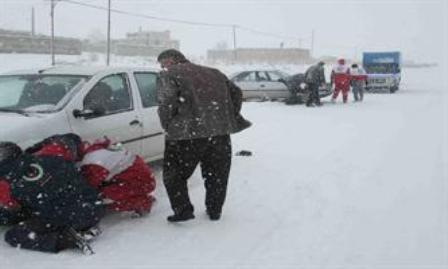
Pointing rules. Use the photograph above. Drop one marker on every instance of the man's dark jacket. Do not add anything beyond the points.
(197, 101)
(315, 75)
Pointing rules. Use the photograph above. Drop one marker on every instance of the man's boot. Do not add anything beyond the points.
(184, 216)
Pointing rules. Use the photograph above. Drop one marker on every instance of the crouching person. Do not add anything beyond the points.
(55, 206)
(123, 179)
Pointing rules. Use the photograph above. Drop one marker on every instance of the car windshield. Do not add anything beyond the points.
(37, 93)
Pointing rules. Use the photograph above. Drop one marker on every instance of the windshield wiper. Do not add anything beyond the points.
(21, 112)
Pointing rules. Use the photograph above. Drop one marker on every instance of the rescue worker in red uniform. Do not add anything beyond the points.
(340, 78)
(123, 179)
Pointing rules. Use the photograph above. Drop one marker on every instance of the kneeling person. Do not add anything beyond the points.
(50, 197)
(123, 179)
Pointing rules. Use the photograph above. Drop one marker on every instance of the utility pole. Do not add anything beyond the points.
(33, 29)
(108, 35)
(53, 5)
(235, 55)
(312, 43)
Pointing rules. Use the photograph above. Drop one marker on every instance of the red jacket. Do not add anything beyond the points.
(340, 76)
(6, 200)
(123, 179)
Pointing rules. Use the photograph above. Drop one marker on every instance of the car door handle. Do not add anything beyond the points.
(262, 85)
(134, 122)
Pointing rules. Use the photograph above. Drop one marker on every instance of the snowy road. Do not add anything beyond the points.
(341, 186)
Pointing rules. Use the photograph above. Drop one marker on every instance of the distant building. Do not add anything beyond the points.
(261, 55)
(141, 43)
(26, 42)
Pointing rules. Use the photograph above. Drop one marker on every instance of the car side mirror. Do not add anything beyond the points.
(89, 113)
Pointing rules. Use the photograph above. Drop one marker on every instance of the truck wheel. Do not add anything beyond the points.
(393, 89)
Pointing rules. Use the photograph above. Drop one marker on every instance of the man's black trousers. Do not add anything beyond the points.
(314, 94)
(214, 154)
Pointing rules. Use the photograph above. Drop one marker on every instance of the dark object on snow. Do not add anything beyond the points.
(243, 153)
(199, 107)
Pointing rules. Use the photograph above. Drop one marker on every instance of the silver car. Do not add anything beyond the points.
(273, 85)
(261, 84)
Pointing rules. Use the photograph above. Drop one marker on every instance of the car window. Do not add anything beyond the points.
(262, 76)
(274, 75)
(111, 94)
(247, 77)
(147, 86)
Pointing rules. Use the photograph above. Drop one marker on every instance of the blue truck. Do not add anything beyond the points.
(383, 70)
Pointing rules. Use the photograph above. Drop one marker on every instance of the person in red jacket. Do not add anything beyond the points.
(340, 78)
(123, 179)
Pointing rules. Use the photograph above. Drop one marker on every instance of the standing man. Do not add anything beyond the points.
(198, 108)
(340, 78)
(314, 78)
(358, 82)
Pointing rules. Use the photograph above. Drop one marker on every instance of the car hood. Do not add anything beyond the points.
(17, 127)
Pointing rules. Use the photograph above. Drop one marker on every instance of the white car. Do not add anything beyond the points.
(93, 102)
(261, 84)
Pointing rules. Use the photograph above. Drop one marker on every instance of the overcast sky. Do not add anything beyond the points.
(418, 28)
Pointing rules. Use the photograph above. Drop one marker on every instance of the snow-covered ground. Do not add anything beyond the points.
(361, 185)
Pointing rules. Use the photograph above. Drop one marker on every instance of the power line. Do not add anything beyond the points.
(232, 26)
(147, 16)
(271, 34)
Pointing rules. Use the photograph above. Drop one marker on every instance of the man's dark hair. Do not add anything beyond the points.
(354, 66)
(173, 54)
(321, 63)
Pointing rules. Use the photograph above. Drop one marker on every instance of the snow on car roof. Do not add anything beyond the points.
(78, 70)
